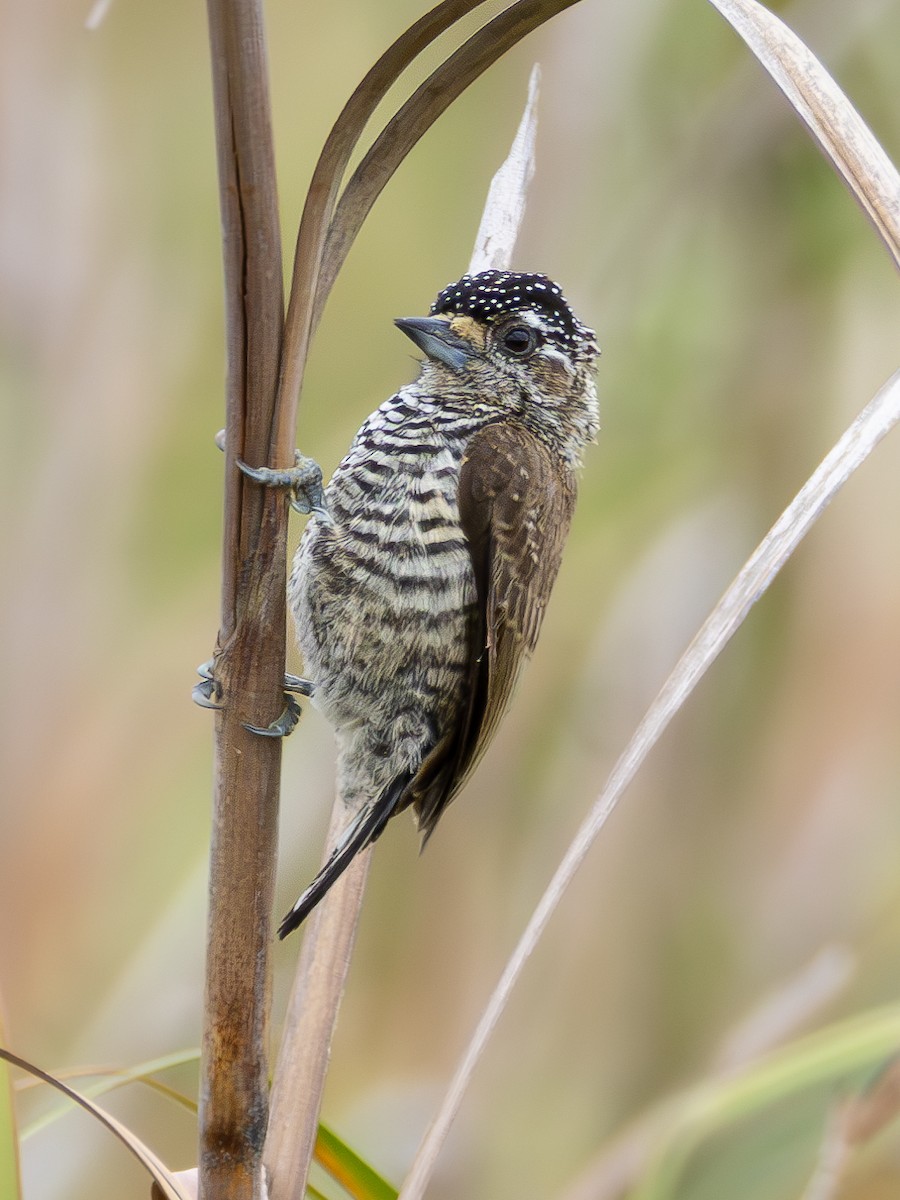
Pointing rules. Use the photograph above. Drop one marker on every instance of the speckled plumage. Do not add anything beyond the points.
(417, 602)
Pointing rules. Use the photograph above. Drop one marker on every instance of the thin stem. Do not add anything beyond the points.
(309, 1025)
(250, 651)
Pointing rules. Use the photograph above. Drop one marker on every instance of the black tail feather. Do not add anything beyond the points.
(364, 829)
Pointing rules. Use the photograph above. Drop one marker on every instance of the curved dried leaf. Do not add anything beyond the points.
(161, 1176)
(415, 118)
(835, 123)
(322, 195)
(873, 423)
(188, 1181)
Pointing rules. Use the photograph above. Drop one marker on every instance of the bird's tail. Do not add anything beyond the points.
(364, 829)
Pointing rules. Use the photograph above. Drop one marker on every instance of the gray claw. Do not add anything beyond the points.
(209, 690)
(293, 683)
(304, 480)
(282, 725)
(307, 490)
(203, 693)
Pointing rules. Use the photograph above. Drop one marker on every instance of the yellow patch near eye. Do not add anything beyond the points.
(473, 331)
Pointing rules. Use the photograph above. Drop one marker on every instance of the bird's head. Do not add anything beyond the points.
(513, 337)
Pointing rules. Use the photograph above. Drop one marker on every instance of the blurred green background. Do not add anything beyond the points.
(746, 311)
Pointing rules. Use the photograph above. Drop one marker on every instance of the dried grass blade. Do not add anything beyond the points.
(415, 118)
(872, 424)
(322, 195)
(505, 207)
(162, 1177)
(835, 123)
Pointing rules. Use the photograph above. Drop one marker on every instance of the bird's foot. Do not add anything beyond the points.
(293, 683)
(283, 724)
(303, 479)
(287, 721)
(208, 690)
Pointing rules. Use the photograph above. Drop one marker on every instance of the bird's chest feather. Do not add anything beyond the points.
(383, 591)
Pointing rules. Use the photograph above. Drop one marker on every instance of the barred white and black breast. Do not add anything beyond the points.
(383, 593)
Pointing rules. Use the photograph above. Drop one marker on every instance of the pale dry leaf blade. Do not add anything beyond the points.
(159, 1173)
(836, 125)
(860, 439)
(505, 208)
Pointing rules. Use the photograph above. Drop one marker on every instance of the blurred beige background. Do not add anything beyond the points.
(746, 311)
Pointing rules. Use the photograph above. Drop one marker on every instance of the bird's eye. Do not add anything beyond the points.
(520, 340)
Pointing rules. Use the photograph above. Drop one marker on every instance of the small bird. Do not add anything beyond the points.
(418, 591)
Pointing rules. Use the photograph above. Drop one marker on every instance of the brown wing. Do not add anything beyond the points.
(516, 500)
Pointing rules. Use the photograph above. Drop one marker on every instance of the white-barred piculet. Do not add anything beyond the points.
(419, 591)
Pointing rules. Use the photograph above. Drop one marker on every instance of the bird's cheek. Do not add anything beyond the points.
(556, 376)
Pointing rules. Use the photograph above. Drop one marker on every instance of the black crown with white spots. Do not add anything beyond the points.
(493, 294)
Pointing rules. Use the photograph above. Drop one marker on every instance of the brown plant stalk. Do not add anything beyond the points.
(250, 649)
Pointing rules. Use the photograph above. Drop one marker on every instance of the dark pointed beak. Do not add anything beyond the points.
(435, 338)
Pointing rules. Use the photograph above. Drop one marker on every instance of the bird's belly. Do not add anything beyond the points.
(383, 624)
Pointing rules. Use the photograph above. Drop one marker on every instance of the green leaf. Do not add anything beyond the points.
(345, 1165)
(827, 1056)
(10, 1184)
(115, 1077)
